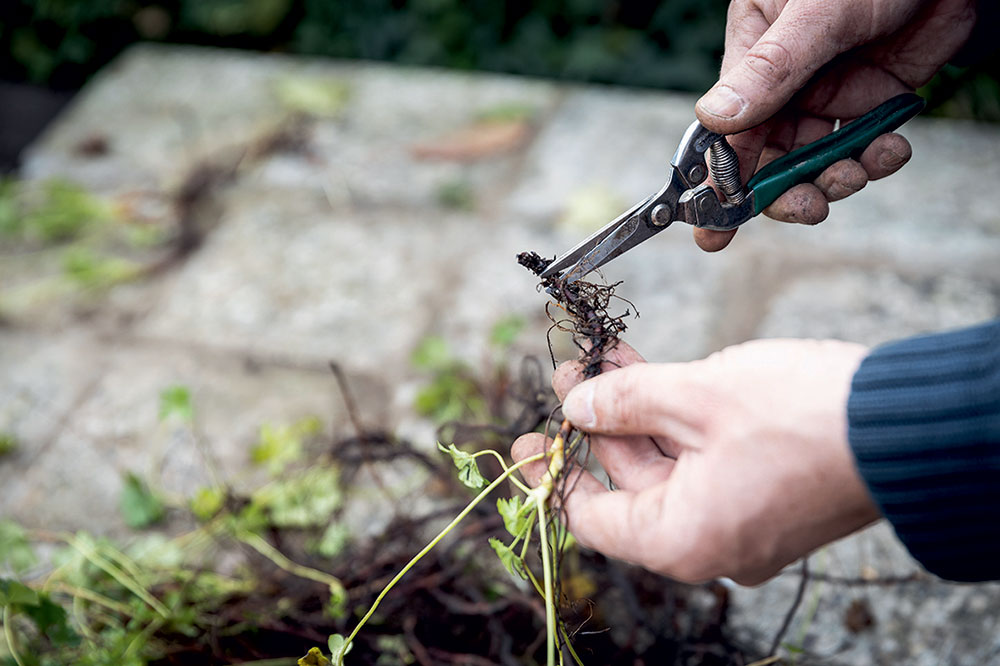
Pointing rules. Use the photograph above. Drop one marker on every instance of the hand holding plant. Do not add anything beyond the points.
(735, 465)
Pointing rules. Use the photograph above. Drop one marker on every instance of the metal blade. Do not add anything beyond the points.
(627, 235)
(573, 257)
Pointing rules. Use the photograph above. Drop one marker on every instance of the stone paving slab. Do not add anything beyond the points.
(617, 139)
(70, 478)
(163, 109)
(346, 251)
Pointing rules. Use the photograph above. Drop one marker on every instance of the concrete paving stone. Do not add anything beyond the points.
(286, 275)
(939, 212)
(158, 107)
(876, 306)
(166, 108)
(927, 621)
(611, 138)
(72, 480)
(368, 154)
(42, 379)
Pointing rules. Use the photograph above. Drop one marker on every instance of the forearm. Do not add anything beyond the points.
(924, 425)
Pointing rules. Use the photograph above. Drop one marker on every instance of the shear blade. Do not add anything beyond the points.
(572, 258)
(627, 235)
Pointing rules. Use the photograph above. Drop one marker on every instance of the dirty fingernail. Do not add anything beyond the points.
(890, 159)
(722, 101)
(579, 406)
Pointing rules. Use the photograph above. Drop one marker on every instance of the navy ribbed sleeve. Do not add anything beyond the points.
(924, 425)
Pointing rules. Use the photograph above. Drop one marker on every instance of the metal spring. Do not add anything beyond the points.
(724, 166)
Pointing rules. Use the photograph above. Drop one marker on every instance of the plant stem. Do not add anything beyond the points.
(94, 597)
(120, 576)
(550, 609)
(524, 553)
(139, 641)
(122, 561)
(8, 632)
(503, 464)
(258, 543)
(767, 661)
(416, 558)
(569, 645)
(81, 620)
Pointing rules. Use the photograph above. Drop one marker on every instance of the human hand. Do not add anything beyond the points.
(735, 465)
(793, 67)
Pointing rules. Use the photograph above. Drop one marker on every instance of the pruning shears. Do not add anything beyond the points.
(686, 197)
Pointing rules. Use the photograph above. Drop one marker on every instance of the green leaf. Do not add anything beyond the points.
(63, 211)
(432, 354)
(313, 96)
(139, 506)
(507, 112)
(8, 443)
(280, 446)
(516, 516)
(315, 658)
(456, 195)
(90, 270)
(334, 540)
(468, 470)
(336, 605)
(15, 550)
(510, 560)
(339, 647)
(50, 618)
(505, 331)
(212, 587)
(10, 219)
(207, 502)
(156, 551)
(304, 500)
(13, 593)
(449, 397)
(175, 403)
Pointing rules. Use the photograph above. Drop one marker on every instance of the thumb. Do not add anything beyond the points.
(641, 399)
(764, 68)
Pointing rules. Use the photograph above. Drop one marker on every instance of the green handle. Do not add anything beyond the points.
(806, 163)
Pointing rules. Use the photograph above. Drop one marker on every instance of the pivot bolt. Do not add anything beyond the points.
(697, 173)
(661, 215)
(704, 204)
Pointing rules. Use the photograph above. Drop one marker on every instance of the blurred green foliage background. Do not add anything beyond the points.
(675, 44)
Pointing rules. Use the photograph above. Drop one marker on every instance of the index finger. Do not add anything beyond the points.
(570, 373)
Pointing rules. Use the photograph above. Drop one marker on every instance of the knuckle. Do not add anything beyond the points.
(738, 11)
(770, 63)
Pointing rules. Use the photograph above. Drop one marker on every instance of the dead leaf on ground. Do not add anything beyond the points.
(859, 616)
(476, 141)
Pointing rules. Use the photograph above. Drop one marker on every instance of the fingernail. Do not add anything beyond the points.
(722, 101)
(890, 159)
(579, 406)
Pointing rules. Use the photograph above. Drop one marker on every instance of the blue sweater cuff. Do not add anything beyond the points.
(924, 425)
